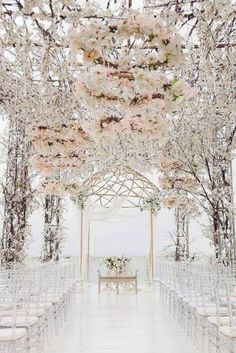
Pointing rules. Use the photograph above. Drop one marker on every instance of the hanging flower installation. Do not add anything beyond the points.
(180, 182)
(127, 82)
(152, 32)
(61, 145)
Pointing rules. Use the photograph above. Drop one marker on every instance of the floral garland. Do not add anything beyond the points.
(114, 128)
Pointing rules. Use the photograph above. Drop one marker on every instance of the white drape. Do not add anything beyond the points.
(101, 214)
(98, 213)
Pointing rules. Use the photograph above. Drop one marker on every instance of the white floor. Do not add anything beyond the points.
(122, 323)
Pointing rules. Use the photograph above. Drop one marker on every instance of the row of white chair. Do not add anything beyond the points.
(34, 301)
(203, 300)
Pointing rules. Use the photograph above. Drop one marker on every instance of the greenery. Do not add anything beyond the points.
(152, 203)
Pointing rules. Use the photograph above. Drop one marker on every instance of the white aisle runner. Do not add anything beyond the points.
(123, 323)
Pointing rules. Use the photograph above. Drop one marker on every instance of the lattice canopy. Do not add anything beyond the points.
(103, 187)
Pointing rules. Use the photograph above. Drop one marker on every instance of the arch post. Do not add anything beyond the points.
(88, 252)
(81, 242)
(151, 252)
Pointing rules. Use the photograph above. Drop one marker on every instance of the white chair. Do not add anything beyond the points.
(227, 329)
(12, 339)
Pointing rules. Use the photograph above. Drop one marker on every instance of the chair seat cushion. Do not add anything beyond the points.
(54, 300)
(21, 312)
(7, 334)
(225, 300)
(211, 311)
(228, 331)
(19, 321)
(43, 305)
(221, 321)
(5, 306)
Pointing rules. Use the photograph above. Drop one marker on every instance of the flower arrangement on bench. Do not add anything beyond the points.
(118, 274)
(117, 265)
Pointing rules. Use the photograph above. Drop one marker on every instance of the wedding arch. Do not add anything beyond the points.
(110, 190)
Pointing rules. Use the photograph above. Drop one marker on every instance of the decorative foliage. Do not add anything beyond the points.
(81, 198)
(151, 203)
(179, 248)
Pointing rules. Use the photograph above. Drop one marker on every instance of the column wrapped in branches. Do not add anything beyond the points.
(53, 230)
(17, 194)
(182, 235)
(177, 187)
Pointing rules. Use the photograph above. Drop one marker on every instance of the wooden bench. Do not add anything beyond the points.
(117, 279)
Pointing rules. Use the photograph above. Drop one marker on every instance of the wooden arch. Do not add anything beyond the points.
(102, 187)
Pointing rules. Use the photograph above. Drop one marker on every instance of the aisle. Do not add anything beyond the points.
(122, 323)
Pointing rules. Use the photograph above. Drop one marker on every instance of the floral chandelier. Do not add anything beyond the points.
(127, 83)
(62, 146)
